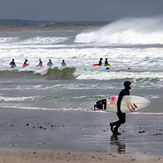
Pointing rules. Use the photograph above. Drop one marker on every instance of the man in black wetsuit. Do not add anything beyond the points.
(63, 63)
(100, 62)
(50, 64)
(12, 63)
(121, 116)
(40, 63)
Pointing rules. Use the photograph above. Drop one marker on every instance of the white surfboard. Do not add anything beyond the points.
(128, 104)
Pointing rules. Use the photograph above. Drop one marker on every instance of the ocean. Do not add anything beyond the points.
(134, 48)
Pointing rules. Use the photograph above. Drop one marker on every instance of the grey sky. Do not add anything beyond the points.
(79, 10)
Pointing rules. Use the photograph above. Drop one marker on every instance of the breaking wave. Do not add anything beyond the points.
(126, 31)
(50, 73)
(79, 74)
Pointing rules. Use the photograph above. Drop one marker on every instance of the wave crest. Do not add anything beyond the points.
(126, 31)
(50, 73)
(65, 73)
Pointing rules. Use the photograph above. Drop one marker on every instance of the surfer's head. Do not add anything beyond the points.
(127, 85)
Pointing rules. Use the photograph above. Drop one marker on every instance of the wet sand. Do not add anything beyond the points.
(42, 156)
(68, 136)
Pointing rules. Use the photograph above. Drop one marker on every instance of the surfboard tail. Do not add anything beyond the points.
(100, 105)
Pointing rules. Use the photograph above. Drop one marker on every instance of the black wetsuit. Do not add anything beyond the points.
(25, 63)
(63, 63)
(106, 62)
(121, 116)
(40, 63)
(12, 64)
(100, 62)
(50, 64)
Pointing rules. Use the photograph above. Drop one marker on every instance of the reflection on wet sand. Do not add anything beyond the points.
(117, 144)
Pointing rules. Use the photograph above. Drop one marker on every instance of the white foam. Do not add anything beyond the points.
(105, 75)
(18, 106)
(43, 40)
(3, 98)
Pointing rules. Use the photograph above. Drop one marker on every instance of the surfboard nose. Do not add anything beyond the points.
(147, 102)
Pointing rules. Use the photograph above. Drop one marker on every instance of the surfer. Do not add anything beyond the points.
(106, 62)
(50, 64)
(63, 63)
(40, 63)
(12, 63)
(25, 63)
(121, 116)
(100, 62)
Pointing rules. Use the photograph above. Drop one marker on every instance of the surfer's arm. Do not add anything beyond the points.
(119, 104)
(121, 94)
(40, 63)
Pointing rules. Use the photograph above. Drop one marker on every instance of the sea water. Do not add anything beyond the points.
(134, 48)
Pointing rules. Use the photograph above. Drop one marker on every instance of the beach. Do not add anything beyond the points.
(68, 136)
(50, 156)
(47, 112)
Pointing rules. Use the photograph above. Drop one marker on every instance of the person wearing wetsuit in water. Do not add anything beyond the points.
(106, 62)
(121, 116)
(100, 62)
(40, 63)
(63, 63)
(50, 64)
(25, 63)
(12, 63)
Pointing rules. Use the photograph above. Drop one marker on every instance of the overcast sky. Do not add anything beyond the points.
(79, 10)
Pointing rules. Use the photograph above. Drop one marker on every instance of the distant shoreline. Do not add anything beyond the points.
(14, 25)
(46, 29)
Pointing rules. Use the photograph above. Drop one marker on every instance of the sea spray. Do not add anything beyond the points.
(127, 31)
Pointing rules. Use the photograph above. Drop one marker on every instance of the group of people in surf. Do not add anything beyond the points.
(40, 64)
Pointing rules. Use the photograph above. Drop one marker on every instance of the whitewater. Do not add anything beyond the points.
(134, 48)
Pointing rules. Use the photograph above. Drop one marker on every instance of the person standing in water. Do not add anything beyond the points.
(121, 116)
(63, 63)
(106, 62)
(40, 63)
(12, 63)
(25, 63)
(100, 62)
(50, 64)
